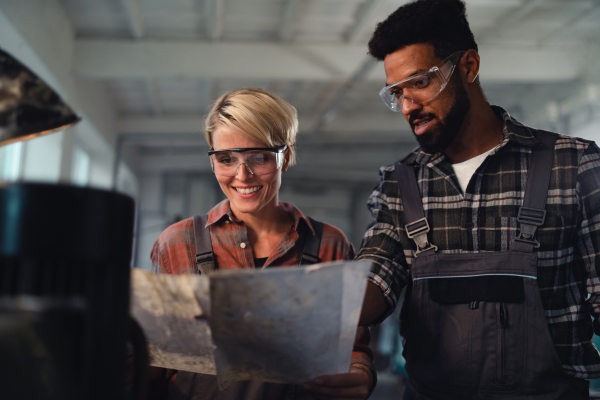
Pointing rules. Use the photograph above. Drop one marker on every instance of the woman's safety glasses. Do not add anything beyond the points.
(258, 160)
(422, 87)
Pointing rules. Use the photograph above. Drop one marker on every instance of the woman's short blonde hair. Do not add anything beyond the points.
(258, 115)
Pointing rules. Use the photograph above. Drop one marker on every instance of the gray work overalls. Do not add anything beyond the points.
(476, 323)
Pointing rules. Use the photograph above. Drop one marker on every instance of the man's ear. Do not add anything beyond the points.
(469, 65)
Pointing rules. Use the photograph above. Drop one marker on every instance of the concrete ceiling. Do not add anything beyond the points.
(163, 62)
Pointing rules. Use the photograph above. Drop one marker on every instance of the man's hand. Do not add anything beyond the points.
(353, 385)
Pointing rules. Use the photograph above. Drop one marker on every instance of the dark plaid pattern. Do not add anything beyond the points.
(485, 219)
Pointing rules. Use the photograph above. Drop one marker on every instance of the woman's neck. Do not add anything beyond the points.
(270, 219)
(266, 228)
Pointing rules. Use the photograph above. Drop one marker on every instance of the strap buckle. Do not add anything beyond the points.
(205, 263)
(530, 219)
(308, 259)
(532, 216)
(417, 231)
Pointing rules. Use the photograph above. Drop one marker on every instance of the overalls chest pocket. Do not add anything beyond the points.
(472, 334)
(490, 306)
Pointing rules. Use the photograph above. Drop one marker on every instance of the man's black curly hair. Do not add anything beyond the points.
(441, 23)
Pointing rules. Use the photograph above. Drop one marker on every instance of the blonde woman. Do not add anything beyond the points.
(252, 134)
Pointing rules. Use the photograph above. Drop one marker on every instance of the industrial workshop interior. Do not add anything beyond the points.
(142, 75)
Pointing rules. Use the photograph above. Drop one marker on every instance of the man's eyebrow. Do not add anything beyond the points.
(417, 72)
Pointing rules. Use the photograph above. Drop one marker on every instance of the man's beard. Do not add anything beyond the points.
(438, 139)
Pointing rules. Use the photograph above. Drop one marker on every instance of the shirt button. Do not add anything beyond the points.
(243, 245)
(469, 225)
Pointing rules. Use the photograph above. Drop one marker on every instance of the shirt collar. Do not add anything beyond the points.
(223, 211)
(514, 133)
(219, 212)
(297, 215)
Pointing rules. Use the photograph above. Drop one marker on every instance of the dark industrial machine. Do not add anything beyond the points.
(64, 269)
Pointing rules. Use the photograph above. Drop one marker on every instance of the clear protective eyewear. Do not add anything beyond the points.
(258, 160)
(422, 87)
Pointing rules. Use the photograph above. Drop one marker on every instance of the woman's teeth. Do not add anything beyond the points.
(248, 190)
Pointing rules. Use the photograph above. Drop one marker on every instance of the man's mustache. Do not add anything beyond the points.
(414, 117)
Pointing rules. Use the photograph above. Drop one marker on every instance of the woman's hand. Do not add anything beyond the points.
(352, 385)
(154, 373)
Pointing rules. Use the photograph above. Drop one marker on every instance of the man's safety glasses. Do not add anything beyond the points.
(420, 88)
(258, 160)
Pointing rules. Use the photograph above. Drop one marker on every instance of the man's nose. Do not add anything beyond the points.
(408, 107)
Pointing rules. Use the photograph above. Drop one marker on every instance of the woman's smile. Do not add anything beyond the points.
(247, 191)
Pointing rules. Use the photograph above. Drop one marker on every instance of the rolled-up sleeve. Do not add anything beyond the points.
(381, 243)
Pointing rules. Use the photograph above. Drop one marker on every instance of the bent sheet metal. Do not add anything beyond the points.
(286, 325)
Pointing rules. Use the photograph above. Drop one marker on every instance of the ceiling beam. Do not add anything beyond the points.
(330, 113)
(156, 104)
(385, 121)
(510, 19)
(161, 125)
(289, 20)
(133, 11)
(215, 18)
(571, 24)
(118, 59)
(148, 58)
(364, 21)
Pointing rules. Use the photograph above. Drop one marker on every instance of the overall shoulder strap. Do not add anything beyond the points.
(416, 223)
(312, 243)
(205, 258)
(532, 213)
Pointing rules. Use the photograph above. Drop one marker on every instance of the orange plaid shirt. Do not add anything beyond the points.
(174, 252)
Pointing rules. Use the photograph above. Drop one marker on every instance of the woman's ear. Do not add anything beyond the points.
(286, 160)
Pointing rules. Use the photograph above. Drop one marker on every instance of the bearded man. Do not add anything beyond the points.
(491, 225)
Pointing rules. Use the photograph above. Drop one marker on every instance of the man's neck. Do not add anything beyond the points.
(480, 132)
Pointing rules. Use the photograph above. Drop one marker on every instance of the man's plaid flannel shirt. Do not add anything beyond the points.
(484, 218)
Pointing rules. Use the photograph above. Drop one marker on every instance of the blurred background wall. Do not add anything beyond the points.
(142, 74)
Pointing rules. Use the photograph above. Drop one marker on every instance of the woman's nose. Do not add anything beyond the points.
(243, 172)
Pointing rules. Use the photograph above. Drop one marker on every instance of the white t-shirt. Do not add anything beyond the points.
(465, 170)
